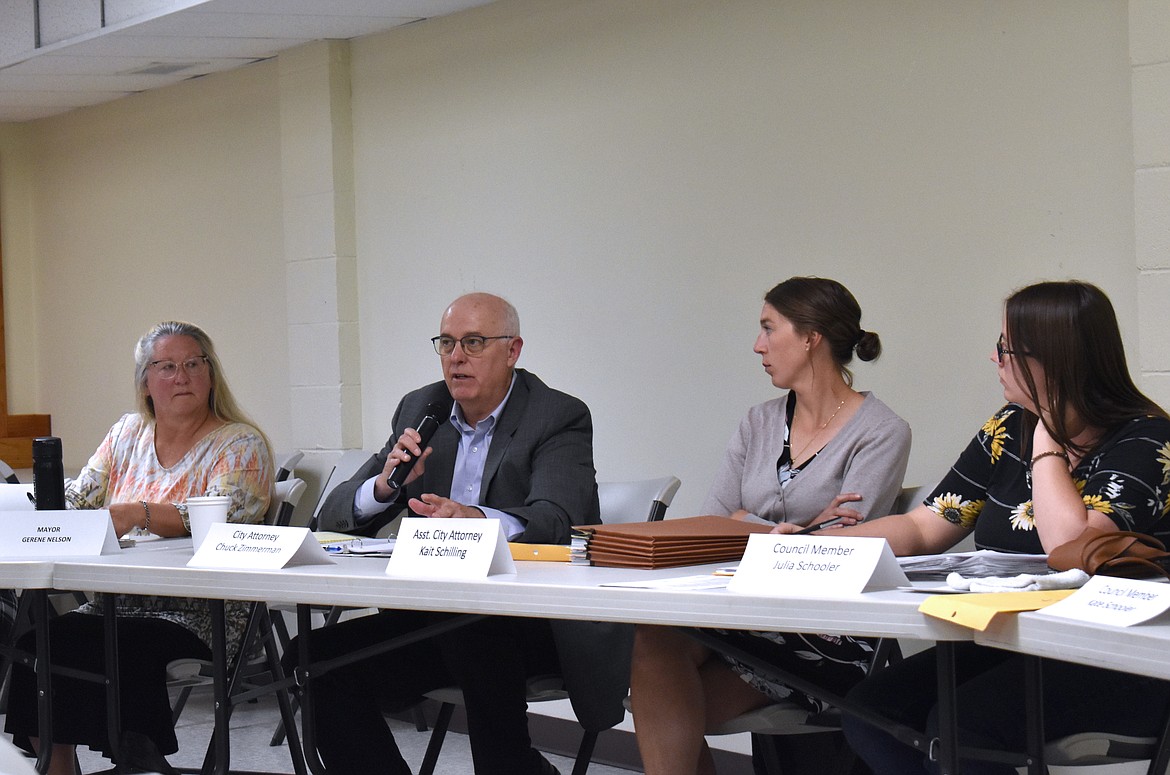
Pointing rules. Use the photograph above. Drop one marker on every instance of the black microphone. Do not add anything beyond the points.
(426, 428)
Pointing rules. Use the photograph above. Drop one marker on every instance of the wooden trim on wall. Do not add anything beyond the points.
(17, 431)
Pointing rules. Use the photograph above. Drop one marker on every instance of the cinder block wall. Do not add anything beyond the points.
(1149, 47)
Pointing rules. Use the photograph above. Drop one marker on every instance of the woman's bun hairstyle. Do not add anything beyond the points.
(869, 346)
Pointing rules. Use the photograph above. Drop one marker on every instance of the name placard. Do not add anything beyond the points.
(1115, 601)
(804, 566)
(450, 549)
(259, 547)
(64, 533)
(16, 497)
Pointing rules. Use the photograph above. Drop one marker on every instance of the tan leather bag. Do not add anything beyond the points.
(1113, 553)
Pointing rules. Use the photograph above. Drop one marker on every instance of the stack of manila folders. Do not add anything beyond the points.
(670, 543)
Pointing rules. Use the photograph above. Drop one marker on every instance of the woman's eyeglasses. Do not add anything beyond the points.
(1001, 351)
(192, 367)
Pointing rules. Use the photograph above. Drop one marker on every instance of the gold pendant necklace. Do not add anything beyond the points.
(796, 457)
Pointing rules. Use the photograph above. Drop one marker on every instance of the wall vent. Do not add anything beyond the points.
(165, 68)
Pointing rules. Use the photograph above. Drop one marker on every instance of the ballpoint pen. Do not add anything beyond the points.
(818, 526)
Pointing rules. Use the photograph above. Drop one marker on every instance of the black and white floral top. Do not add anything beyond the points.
(1126, 477)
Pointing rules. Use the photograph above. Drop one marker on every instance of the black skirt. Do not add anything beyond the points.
(145, 647)
(834, 662)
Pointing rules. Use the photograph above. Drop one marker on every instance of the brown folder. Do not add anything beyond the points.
(669, 543)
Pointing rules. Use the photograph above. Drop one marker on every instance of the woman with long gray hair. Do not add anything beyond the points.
(188, 438)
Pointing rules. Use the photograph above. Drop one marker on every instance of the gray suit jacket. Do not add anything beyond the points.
(539, 468)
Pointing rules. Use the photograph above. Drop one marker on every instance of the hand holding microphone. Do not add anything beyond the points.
(411, 449)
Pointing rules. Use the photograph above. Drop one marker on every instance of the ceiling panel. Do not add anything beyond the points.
(80, 65)
(120, 84)
(264, 25)
(120, 45)
(57, 99)
(64, 19)
(416, 8)
(93, 65)
(119, 11)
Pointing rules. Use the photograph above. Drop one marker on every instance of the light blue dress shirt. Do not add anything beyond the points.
(467, 479)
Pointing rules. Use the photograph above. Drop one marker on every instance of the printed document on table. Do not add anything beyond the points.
(683, 583)
(977, 564)
(369, 547)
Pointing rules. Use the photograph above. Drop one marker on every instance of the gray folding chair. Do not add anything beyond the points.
(347, 465)
(286, 464)
(7, 474)
(1092, 751)
(628, 501)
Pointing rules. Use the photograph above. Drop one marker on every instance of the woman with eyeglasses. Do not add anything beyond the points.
(1078, 445)
(823, 451)
(187, 438)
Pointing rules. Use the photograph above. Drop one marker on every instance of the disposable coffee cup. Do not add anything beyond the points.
(204, 511)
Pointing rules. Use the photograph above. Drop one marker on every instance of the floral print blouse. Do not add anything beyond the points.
(231, 460)
(1126, 477)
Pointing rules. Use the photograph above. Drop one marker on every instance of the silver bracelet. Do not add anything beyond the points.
(146, 508)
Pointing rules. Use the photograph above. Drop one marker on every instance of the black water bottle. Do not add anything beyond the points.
(48, 473)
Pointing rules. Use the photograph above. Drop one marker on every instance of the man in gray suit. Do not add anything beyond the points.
(509, 448)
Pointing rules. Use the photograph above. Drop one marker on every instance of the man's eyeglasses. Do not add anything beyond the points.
(192, 367)
(1000, 350)
(472, 345)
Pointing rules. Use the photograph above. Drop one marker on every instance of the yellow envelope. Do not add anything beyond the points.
(977, 610)
(546, 552)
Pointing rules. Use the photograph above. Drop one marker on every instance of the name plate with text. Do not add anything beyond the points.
(1116, 601)
(64, 533)
(258, 547)
(806, 566)
(450, 549)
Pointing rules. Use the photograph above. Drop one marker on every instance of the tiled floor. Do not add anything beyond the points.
(252, 726)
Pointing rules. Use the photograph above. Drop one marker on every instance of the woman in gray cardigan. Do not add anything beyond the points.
(822, 451)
